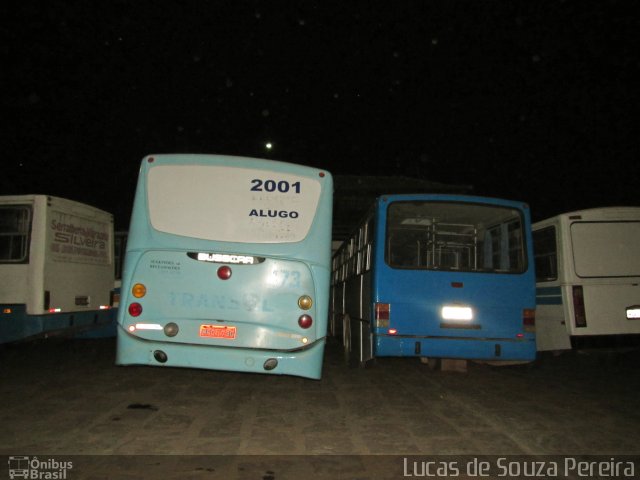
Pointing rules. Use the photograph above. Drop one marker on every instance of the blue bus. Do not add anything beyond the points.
(437, 276)
(227, 266)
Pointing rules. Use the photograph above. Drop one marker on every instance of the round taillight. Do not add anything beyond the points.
(305, 321)
(224, 272)
(135, 309)
(139, 290)
(305, 302)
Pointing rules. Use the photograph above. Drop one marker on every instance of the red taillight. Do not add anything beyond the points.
(529, 320)
(382, 314)
(580, 316)
(305, 321)
(135, 309)
(224, 272)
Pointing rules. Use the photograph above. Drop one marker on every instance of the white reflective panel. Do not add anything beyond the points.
(457, 313)
(231, 204)
(148, 326)
(633, 313)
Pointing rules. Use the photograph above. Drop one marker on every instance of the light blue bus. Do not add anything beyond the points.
(227, 266)
(437, 276)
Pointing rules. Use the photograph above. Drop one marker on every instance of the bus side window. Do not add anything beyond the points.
(359, 264)
(545, 254)
(368, 240)
(15, 225)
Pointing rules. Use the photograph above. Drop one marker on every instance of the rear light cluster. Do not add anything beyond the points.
(382, 317)
(579, 313)
(382, 313)
(135, 310)
(305, 320)
(529, 320)
(138, 291)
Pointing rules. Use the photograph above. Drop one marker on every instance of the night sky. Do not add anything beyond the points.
(528, 100)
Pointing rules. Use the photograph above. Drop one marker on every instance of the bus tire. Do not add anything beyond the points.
(366, 364)
(350, 359)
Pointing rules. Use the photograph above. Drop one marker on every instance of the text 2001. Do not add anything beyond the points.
(281, 186)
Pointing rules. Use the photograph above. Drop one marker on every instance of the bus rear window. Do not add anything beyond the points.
(15, 225)
(455, 236)
(231, 204)
(606, 249)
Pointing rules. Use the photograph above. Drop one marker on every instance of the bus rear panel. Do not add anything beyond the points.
(56, 268)
(451, 277)
(227, 266)
(588, 277)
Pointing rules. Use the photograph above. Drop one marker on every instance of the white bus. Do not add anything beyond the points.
(56, 267)
(588, 278)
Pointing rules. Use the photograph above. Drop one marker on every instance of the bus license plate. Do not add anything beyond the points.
(218, 331)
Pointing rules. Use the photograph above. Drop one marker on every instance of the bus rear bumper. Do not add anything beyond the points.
(16, 324)
(462, 348)
(306, 362)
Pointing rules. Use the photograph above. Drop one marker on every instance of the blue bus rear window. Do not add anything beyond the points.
(454, 236)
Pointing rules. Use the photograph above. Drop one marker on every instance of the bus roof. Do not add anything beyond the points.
(453, 197)
(594, 214)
